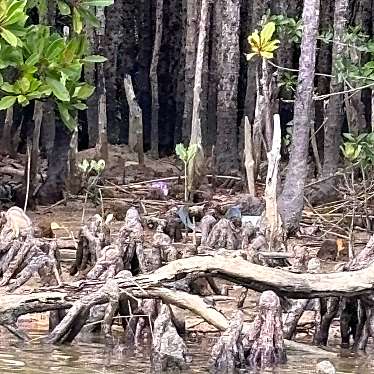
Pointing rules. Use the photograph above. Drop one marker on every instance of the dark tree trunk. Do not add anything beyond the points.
(214, 38)
(143, 61)
(227, 96)
(180, 89)
(126, 65)
(292, 198)
(323, 67)
(52, 190)
(113, 36)
(335, 115)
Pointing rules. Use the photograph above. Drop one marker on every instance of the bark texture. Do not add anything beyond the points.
(228, 72)
(292, 198)
(335, 115)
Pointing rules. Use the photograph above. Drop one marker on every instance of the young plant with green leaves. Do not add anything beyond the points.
(92, 171)
(37, 63)
(262, 43)
(186, 155)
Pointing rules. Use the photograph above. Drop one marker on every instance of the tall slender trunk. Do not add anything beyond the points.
(143, 61)
(109, 36)
(324, 67)
(292, 198)
(92, 104)
(190, 49)
(102, 145)
(335, 115)
(153, 75)
(178, 128)
(213, 78)
(227, 106)
(196, 165)
(34, 154)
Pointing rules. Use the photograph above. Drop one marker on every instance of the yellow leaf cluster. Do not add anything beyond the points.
(262, 43)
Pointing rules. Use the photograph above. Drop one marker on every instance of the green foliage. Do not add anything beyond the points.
(12, 21)
(186, 155)
(288, 28)
(82, 12)
(288, 81)
(262, 43)
(88, 166)
(359, 149)
(46, 64)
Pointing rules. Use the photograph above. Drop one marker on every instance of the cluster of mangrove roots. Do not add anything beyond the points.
(141, 282)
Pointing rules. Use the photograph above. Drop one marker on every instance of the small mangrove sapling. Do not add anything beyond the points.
(87, 168)
(186, 155)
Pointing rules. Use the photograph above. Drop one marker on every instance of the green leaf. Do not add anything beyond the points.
(77, 21)
(66, 117)
(83, 92)
(89, 17)
(267, 32)
(22, 99)
(33, 59)
(54, 49)
(9, 37)
(7, 101)
(181, 152)
(7, 87)
(99, 3)
(63, 8)
(94, 59)
(58, 89)
(80, 106)
(23, 84)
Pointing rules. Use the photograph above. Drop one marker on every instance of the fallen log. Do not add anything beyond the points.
(260, 278)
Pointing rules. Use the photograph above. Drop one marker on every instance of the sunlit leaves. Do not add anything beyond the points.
(186, 154)
(12, 20)
(82, 11)
(7, 101)
(359, 149)
(94, 59)
(58, 88)
(43, 63)
(263, 44)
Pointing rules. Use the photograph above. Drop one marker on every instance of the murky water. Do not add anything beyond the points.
(93, 357)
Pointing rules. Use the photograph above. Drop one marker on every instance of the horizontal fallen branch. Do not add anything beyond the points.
(260, 278)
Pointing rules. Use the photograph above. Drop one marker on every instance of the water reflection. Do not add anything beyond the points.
(93, 357)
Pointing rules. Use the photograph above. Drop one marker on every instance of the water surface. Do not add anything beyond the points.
(94, 357)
